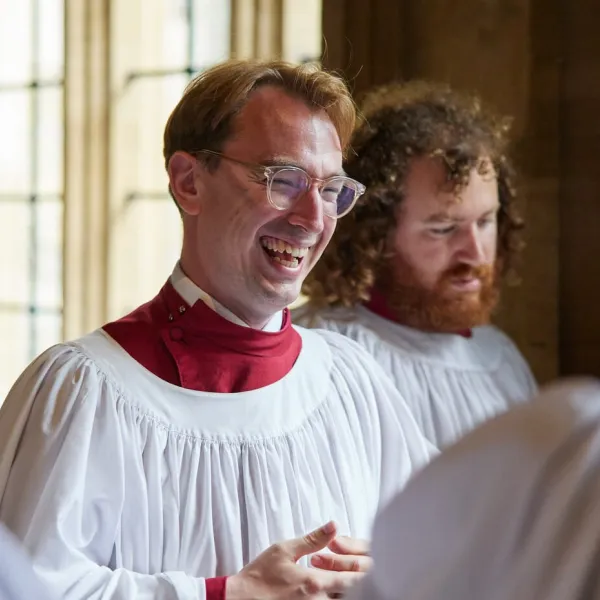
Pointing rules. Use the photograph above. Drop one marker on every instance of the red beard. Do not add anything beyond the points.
(441, 309)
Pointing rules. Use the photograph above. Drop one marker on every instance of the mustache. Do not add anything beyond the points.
(464, 271)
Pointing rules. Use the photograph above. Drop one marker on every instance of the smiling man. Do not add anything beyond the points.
(413, 274)
(187, 450)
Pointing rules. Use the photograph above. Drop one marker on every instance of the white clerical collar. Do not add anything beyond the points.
(191, 293)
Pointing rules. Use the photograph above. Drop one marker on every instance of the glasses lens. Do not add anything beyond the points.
(338, 195)
(286, 186)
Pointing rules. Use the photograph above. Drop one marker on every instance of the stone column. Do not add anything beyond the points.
(86, 133)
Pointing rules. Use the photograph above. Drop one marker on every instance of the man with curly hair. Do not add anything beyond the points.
(414, 273)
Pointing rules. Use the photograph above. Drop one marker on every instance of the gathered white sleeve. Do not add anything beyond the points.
(521, 368)
(398, 441)
(17, 579)
(62, 472)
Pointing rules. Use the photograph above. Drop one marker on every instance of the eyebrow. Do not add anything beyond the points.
(286, 162)
(444, 217)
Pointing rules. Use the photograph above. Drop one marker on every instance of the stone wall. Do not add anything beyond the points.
(538, 61)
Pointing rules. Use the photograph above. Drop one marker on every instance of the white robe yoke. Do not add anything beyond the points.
(451, 382)
(122, 486)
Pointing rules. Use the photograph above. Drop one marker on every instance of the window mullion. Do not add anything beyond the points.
(86, 165)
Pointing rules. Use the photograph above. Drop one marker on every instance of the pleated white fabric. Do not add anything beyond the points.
(17, 579)
(122, 486)
(511, 512)
(452, 383)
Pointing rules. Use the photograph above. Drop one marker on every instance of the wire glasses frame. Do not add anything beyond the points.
(286, 184)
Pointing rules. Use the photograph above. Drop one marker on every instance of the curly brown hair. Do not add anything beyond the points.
(401, 122)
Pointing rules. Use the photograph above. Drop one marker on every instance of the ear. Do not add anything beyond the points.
(184, 185)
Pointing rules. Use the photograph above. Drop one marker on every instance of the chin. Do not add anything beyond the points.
(279, 298)
(291, 299)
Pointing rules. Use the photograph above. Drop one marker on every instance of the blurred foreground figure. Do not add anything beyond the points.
(17, 579)
(413, 274)
(511, 512)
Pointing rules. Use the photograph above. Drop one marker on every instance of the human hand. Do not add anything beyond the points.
(350, 554)
(274, 574)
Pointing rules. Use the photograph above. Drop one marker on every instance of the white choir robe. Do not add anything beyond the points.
(122, 486)
(17, 579)
(511, 512)
(451, 382)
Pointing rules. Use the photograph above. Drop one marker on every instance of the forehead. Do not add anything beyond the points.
(274, 125)
(427, 192)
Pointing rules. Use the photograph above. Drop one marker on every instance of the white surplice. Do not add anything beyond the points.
(122, 486)
(511, 512)
(17, 579)
(452, 382)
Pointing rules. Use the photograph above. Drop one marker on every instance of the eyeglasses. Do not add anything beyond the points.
(286, 185)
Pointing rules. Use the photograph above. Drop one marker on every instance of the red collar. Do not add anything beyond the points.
(195, 348)
(378, 304)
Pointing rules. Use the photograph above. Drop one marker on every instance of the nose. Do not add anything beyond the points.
(307, 213)
(471, 249)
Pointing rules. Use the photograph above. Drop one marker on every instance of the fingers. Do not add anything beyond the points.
(347, 545)
(332, 582)
(311, 542)
(337, 562)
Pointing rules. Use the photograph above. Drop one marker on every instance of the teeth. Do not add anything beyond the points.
(281, 246)
(292, 264)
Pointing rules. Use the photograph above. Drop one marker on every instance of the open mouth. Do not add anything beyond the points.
(283, 253)
(470, 284)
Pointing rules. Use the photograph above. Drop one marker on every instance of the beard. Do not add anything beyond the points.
(440, 309)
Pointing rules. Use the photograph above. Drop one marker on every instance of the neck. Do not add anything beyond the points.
(254, 323)
(239, 312)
